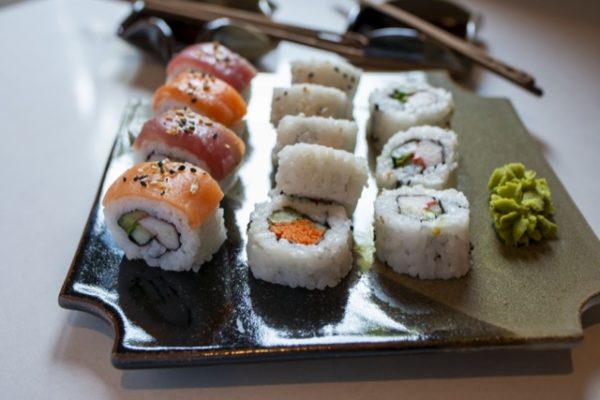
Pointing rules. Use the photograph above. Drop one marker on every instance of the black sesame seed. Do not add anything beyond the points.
(143, 183)
(193, 170)
(172, 172)
(124, 179)
(181, 167)
(376, 107)
(214, 136)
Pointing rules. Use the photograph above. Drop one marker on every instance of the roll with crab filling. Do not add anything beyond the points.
(215, 59)
(423, 232)
(424, 155)
(402, 106)
(202, 93)
(183, 135)
(298, 242)
(166, 213)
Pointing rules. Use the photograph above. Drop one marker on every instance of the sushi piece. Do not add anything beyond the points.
(402, 106)
(298, 242)
(321, 173)
(166, 213)
(183, 135)
(423, 155)
(202, 93)
(335, 133)
(215, 59)
(310, 100)
(423, 232)
(337, 74)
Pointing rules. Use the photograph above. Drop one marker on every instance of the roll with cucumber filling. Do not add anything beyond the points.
(423, 232)
(424, 156)
(299, 242)
(402, 106)
(167, 214)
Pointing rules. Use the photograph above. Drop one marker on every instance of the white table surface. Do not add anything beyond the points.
(64, 80)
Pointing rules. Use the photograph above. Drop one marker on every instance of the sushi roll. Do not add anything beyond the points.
(423, 155)
(183, 135)
(335, 133)
(166, 213)
(423, 232)
(402, 106)
(202, 93)
(337, 74)
(321, 173)
(215, 59)
(310, 100)
(298, 242)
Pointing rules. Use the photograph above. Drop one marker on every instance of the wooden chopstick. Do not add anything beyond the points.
(208, 12)
(470, 51)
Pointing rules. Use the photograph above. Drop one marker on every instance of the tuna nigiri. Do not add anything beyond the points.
(184, 135)
(166, 213)
(204, 94)
(214, 59)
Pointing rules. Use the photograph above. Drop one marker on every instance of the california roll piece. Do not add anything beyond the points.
(423, 232)
(183, 135)
(402, 106)
(297, 242)
(215, 59)
(423, 155)
(166, 213)
(202, 93)
(337, 74)
(335, 133)
(321, 173)
(310, 100)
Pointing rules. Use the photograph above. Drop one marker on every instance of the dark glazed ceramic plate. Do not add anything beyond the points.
(511, 297)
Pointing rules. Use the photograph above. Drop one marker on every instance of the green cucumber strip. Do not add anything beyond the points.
(402, 160)
(128, 221)
(141, 236)
(287, 214)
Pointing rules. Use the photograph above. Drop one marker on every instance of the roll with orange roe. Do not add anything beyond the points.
(299, 243)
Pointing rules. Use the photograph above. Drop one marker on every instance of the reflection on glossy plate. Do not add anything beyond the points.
(528, 296)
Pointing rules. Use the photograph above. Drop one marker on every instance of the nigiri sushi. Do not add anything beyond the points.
(166, 213)
(202, 93)
(184, 135)
(215, 59)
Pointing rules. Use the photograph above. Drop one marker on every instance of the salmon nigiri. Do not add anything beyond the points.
(204, 94)
(187, 136)
(166, 213)
(214, 59)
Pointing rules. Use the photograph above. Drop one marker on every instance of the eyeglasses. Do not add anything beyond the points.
(163, 34)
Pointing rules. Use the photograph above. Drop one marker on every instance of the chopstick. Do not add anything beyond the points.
(468, 50)
(350, 45)
(208, 12)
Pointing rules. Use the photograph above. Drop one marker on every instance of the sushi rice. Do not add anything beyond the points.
(311, 266)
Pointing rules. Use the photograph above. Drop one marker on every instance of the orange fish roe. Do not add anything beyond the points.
(301, 231)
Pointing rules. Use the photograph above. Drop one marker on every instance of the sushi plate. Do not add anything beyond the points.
(527, 297)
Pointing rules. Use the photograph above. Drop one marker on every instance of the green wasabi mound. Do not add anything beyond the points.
(521, 205)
